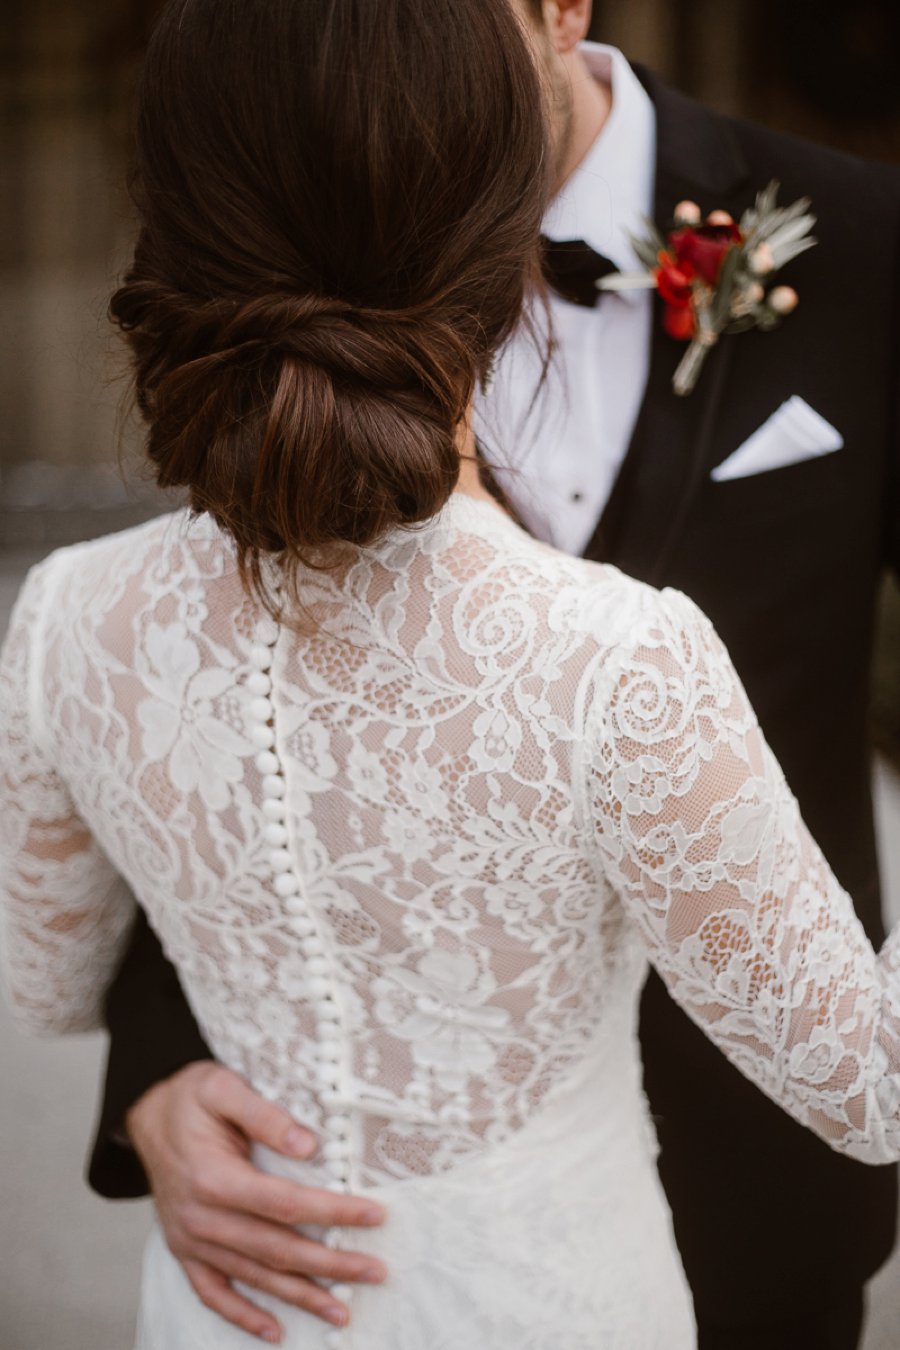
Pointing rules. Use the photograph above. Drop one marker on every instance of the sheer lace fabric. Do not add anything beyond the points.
(506, 777)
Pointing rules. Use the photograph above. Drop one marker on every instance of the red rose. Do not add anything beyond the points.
(679, 322)
(703, 249)
(673, 281)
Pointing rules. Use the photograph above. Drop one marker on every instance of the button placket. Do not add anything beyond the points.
(336, 1145)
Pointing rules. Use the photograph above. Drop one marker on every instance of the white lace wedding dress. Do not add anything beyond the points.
(410, 861)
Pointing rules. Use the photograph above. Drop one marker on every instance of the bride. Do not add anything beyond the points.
(410, 798)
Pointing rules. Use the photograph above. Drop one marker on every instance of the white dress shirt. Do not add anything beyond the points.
(558, 455)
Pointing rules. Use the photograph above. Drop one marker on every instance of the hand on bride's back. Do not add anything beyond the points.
(223, 1218)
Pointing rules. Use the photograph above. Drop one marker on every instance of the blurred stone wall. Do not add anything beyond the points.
(825, 69)
(65, 232)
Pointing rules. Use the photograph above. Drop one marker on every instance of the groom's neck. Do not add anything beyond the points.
(590, 103)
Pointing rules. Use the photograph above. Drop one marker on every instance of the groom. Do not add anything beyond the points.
(783, 544)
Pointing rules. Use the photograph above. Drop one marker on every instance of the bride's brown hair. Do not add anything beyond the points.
(340, 203)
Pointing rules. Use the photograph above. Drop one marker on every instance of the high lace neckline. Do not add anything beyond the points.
(460, 511)
(476, 515)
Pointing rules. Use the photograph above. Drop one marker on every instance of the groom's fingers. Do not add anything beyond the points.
(312, 1298)
(223, 1218)
(215, 1291)
(240, 1186)
(279, 1248)
(226, 1095)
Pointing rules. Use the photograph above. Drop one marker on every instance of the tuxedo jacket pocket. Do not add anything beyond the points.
(794, 433)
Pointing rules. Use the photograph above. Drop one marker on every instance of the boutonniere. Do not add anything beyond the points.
(714, 275)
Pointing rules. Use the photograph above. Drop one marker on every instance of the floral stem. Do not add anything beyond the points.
(691, 363)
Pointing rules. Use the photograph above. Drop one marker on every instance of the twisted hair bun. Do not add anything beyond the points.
(298, 421)
(340, 206)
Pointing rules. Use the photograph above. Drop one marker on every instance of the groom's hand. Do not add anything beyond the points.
(224, 1219)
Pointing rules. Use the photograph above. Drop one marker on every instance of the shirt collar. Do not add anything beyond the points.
(611, 190)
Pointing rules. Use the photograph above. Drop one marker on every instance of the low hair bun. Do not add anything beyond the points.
(325, 423)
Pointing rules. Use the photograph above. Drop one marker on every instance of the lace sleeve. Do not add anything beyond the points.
(702, 840)
(64, 911)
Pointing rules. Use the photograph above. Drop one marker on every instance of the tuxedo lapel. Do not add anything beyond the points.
(697, 159)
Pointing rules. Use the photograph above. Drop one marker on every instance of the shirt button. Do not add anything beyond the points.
(577, 496)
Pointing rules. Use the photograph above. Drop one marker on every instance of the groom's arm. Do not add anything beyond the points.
(892, 522)
(153, 1034)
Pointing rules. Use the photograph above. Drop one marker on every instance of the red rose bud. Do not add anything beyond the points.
(679, 322)
(674, 281)
(704, 249)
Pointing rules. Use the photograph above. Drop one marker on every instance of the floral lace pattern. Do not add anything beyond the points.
(697, 830)
(495, 778)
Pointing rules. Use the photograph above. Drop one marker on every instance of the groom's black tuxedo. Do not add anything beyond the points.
(787, 564)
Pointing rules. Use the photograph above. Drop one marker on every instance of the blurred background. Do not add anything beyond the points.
(70, 467)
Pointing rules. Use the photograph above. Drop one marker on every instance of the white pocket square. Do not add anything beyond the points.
(794, 432)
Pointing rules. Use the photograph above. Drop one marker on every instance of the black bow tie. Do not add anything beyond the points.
(572, 269)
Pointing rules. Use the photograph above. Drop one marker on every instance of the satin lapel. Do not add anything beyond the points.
(697, 159)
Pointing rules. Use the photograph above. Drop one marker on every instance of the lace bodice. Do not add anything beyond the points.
(409, 855)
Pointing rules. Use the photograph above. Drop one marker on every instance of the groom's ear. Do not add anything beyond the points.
(567, 23)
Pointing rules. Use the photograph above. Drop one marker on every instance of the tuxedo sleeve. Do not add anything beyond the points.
(153, 1034)
(892, 522)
